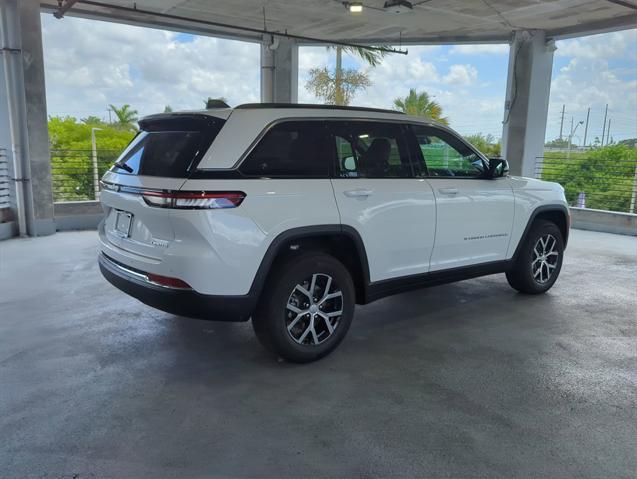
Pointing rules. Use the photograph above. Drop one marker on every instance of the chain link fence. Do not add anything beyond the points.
(75, 174)
(603, 180)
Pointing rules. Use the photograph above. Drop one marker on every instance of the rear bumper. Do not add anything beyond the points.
(182, 302)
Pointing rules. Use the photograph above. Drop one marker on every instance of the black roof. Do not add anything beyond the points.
(251, 106)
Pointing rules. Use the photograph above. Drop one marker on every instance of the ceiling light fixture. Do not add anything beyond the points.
(354, 7)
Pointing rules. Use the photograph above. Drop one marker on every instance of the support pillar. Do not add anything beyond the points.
(527, 101)
(23, 111)
(279, 70)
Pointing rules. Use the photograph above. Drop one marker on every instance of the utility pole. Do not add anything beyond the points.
(109, 116)
(604, 129)
(570, 137)
(588, 114)
(608, 132)
(562, 122)
(633, 197)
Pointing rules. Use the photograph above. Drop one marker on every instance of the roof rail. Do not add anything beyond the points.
(251, 106)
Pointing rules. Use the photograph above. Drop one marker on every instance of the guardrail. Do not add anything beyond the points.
(5, 180)
(75, 174)
(602, 182)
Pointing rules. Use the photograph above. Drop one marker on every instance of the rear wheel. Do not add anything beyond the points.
(540, 259)
(306, 307)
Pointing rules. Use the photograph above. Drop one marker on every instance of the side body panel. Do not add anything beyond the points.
(396, 222)
(475, 218)
(531, 194)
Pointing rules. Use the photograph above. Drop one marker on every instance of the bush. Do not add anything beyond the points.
(605, 175)
(71, 163)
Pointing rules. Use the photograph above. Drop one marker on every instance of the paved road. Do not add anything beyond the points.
(463, 380)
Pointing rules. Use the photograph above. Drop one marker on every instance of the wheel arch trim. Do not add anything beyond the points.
(560, 208)
(305, 232)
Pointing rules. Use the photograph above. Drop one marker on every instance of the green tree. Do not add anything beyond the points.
(126, 118)
(333, 90)
(420, 104)
(339, 86)
(168, 109)
(605, 175)
(71, 165)
(557, 143)
(487, 144)
(92, 120)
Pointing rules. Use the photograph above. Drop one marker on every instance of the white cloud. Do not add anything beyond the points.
(601, 70)
(461, 75)
(606, 46)
(487, 48)
(90, 64)
(586, 82)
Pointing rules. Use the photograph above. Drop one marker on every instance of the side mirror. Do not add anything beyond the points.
(498, 167)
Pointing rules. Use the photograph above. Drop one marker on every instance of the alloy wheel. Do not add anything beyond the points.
(314, 309)
(545, 258)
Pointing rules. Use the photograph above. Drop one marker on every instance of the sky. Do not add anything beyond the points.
(91, 64)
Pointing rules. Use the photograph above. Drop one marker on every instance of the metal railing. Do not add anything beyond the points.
(5, 180)
(75, 174)
(596, 180)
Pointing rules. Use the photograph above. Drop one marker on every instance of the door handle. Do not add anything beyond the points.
(357, 193)
(448, 191)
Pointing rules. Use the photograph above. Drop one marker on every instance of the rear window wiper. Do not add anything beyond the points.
(123, 166)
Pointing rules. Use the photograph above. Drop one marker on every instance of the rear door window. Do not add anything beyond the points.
(298, 149)
(367, 149)
(168, 146)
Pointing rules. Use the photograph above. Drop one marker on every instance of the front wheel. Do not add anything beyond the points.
(540, 259)
(306, 307)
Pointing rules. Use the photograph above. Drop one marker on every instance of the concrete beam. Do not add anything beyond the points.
(279, 70)
(25, 111)
(527, 100)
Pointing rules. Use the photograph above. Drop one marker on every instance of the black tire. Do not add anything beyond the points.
(273, 316)
(526, 276)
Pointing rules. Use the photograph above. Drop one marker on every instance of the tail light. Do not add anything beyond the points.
(193, 200)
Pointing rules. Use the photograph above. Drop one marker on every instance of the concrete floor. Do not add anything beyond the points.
(463, 380)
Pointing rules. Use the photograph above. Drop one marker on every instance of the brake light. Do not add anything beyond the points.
(194, 200)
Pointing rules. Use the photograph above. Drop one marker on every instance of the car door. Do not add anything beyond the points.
(377, 194)
(474, 215)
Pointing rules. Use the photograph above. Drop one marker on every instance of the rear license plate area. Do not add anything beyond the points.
(123, 221)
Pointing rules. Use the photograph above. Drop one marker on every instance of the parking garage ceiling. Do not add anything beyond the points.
(380, 22)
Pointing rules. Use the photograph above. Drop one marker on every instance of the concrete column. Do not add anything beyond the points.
(527, 100)
(24, 111)
(279, 70)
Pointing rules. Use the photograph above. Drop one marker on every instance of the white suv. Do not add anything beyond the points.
(292, 214)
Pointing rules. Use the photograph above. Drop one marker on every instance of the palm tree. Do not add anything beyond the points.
(126, 117)
(339, 88)
(420, 104)
(372, 57)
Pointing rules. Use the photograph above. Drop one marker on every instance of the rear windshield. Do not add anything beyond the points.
(168, 146)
